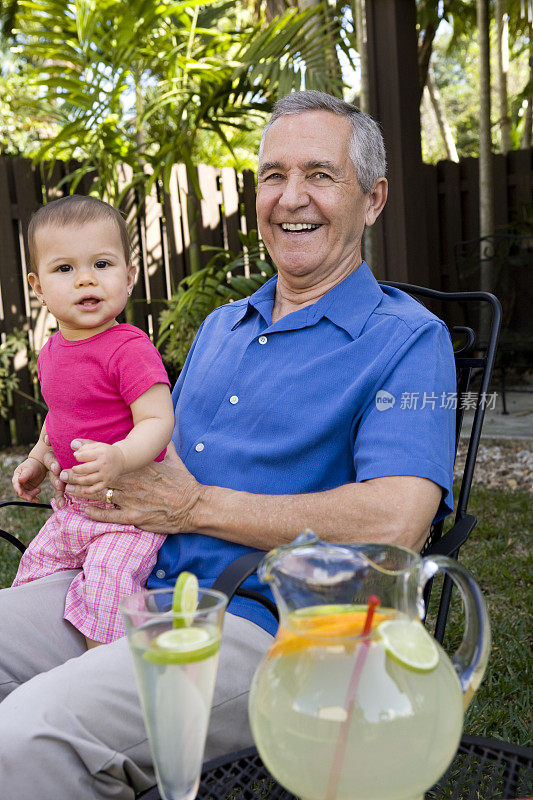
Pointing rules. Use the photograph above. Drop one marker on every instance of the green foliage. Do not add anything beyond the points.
(8, 377)
(455, 64)
(15, 343)
(223, 280)
(135, 83)
(24, 118)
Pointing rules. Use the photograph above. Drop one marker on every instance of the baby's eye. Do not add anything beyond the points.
(64, 268)
(101, 264)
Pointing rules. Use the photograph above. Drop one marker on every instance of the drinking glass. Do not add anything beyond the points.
(175, 655)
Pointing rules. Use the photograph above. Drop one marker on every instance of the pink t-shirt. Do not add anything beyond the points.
(89, 386)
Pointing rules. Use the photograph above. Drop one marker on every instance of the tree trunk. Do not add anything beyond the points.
(486, 180)
(425, 49)
(528, 117)
(440, 114)
(502, 28)
(359, 17)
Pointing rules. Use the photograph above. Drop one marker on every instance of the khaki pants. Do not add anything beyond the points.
(70, 721)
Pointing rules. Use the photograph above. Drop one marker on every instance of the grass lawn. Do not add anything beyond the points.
(499, 557)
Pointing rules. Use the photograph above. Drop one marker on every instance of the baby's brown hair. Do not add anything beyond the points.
(75, 210)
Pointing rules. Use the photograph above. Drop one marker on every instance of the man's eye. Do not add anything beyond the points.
(321, 175)
(101, 264)
(273, 176)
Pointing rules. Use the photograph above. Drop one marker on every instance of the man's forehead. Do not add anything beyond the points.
(320, 136)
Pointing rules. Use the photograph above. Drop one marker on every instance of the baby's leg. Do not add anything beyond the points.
(55, 548)
(117, 565)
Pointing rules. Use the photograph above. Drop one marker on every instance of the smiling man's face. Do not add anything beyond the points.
(310, 208)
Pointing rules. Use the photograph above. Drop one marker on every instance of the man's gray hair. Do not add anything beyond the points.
(367, 149)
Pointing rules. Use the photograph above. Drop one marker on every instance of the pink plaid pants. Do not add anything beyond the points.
(115, 561)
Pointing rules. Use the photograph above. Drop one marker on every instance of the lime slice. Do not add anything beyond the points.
(408, 642)
(185, 598)
(183, 645)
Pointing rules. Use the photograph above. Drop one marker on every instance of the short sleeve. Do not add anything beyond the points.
(409, 426)
(136, 366)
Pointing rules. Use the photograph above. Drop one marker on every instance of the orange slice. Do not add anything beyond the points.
(314, 629)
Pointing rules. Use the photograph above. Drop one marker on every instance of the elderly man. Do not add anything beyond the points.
(290, 413)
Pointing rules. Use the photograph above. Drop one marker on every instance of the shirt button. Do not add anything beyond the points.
(234, 399)
(160, 573)
(263, 340)
(199, 447)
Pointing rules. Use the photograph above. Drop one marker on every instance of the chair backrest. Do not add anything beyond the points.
(474, 356)
(475, 351)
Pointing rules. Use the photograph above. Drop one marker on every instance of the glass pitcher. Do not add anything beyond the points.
(354, 699)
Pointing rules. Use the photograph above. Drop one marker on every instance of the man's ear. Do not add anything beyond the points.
(33, 280)
(376, 201)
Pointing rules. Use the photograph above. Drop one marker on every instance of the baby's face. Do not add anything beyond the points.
(82, 276)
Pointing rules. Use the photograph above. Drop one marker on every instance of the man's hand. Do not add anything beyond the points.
(52, 465)
(100, 466)
(27, 478)
(159, 497)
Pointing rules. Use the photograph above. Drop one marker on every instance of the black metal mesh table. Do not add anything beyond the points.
(483, 769)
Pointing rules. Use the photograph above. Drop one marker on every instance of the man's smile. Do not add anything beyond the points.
(299, 227)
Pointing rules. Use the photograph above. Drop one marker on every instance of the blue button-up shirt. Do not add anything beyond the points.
(353, 387)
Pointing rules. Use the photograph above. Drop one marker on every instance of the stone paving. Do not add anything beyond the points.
(500, 464)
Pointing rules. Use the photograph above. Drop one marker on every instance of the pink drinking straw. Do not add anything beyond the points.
(338, 759)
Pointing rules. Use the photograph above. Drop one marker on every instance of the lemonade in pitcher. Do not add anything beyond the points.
(355, 700)
(301, 713)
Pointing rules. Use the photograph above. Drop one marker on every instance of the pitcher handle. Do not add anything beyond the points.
(470, 660)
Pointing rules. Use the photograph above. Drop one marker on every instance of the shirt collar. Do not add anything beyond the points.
(337, 305)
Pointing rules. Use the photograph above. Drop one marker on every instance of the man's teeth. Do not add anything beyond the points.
(299, 226)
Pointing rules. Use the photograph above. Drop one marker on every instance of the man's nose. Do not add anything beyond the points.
(295, 194)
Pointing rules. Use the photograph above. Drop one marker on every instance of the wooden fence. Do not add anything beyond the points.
(162, 243)
(162, 252)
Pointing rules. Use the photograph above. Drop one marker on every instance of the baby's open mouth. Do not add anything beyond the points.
(89, 301)
(299, 227)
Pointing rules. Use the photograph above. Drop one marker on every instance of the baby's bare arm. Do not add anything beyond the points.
(101, 464)
(29, 475)
(153, 423)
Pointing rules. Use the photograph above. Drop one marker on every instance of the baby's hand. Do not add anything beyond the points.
(27, 478)
(100, 465)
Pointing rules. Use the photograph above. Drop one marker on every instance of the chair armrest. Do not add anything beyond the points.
(231, 578)
(453, 539)
(8, 537)
(236, 573)
(26, 503)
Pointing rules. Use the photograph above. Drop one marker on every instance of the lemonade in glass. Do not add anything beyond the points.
(175, 657)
